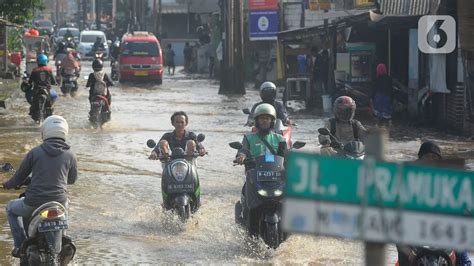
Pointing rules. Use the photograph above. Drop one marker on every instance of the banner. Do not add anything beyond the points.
(264, 25)
(263, 5)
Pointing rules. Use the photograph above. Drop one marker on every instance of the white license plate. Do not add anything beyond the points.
(268, 176)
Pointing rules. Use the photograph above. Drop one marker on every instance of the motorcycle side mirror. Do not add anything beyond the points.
(7, 167)
(246, 111)
(236, 145)
(201, 137)
(299, 144)
(281, 148)
(151, 144)
(324, 131)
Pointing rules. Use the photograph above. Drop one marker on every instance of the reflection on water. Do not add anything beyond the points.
(115, 209)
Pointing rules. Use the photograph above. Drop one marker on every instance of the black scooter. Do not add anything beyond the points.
(47, 242)
(352, 150)
(69, 83)
(427, 256)
(180, 185)
(259, 209)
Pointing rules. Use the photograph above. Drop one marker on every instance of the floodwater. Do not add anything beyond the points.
(115, 210)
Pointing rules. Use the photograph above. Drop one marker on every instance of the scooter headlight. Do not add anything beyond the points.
(262, 192)
(179, 170)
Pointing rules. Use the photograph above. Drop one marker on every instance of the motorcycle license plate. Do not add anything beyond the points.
(48, 226)
(268, 176)
(141, 73)
(180, 188)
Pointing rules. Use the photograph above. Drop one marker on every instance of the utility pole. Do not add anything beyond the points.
(97, 14)
(114, 11)
(160, 18)
(232, 78)
(57, 13)
(376, 145)
(84, 13)
(154, 17)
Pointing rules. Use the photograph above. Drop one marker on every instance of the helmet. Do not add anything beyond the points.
(268, 91)
(265, 109)
(344, 108)
(54, 126)
(61, 45)
(97, 65)
(42, 59)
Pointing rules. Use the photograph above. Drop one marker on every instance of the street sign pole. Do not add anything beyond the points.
(376, 143)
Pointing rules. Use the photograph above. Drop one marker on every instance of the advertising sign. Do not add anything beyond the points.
(263, 5)
(264, 25)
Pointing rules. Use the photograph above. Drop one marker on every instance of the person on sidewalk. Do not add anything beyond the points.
(169, 57)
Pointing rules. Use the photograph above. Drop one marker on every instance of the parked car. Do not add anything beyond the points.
(86, 41)
(59, 36)
(44, 26)
(140, 58)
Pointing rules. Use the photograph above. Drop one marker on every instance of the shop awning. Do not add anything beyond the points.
(407, 7)
(342, 23)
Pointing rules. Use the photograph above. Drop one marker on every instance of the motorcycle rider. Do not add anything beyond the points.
(53, 166)
(61, 50)
(42, 76)
(99, 83)
(343, 125)
(114, 51)
(98, 45)
(429, 153)
(179, 138)
(268, 94)
(70, 66)
(264, 141)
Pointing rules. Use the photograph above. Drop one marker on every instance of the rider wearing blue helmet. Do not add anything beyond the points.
(41, 77)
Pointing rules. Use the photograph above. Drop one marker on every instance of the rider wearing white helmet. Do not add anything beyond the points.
(53, 166)
(268, 92)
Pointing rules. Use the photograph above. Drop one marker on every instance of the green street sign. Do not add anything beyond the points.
(380, 184)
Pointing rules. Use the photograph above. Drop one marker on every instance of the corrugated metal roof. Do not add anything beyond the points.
(405, 7)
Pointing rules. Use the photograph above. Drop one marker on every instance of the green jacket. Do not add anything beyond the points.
(255, 145)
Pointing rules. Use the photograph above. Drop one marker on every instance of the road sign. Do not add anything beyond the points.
(264, 25)
(263, 5)
(379, 201)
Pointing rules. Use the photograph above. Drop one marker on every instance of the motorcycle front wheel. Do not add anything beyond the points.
(271, 236)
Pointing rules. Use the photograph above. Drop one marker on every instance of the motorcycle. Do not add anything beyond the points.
(44, 101)
(279, 127)
(180, 184)
(69, 82)
(359, 94)
(99, 54)
(260, 205)
(115, 67)
(352, 150)
(27, 88)
(47, 242)
(100, 111)
(428, 256)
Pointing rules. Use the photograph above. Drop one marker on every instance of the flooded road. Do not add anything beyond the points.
(115, 209)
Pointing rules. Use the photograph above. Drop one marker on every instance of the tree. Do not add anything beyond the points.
(19, 11)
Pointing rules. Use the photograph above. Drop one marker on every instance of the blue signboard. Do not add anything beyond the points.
(264, 25)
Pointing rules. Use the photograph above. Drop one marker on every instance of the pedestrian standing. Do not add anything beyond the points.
(188, 57)
(382, 96)
(169, 57)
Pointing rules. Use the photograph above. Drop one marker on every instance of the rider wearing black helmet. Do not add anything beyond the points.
(99, 82)
(268, 94)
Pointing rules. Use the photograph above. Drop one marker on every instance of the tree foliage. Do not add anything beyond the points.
(19, 11)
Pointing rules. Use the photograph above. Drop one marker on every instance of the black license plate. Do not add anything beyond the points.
(48, 226)
(178, 188)
(268, 176)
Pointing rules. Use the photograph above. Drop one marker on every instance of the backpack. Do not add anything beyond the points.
(100, 87)
(355, 129)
